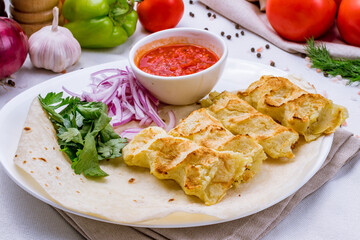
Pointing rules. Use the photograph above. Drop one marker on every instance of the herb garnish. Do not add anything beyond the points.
(320, 58)
(83, 131)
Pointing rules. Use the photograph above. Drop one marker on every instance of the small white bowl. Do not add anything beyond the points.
(180, 90)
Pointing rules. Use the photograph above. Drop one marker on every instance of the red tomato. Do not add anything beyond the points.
(338, 2)
(348, 21)
(297, 20)
(156, 15)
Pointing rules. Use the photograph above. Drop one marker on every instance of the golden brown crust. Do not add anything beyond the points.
(207, 131)
(311, 115)
(241, 118)
(200, 171)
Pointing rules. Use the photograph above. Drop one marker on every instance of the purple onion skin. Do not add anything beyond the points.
(14, 47)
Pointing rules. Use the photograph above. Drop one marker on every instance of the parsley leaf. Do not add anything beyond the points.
(111, 148)
(71, 134)
(83, 131)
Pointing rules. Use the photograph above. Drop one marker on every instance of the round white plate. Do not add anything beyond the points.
(238, 74)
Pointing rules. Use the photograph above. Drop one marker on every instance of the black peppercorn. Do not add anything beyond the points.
(272, 63)
(206, 29)
(242, 33)
(214, 15)
(209, 14)
(228, 37)
(191, 2)
(237, 26)
(326, 74)
(252, 49)
(236, 34)
(267, 46)
(11, 83)
(222, 33)
(258, 55)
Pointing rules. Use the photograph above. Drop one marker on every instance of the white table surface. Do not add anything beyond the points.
(332, 212)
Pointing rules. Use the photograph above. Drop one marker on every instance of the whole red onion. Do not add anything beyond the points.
(13, 47)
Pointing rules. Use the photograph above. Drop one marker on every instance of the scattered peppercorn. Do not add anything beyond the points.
(237, 26)
(267, 46)
(206, 29)
(191, 14)
(214, 15)
(303, 55)
(207, 7)
(258, 55)
(252, 49)
(236, 34)
(209, 14)
(272, 63)
(11, 83)
(228, 37)
(191, 2)
(222, 33)
(242, 33)
(326, 74)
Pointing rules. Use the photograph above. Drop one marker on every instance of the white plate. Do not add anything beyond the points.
(238, 74)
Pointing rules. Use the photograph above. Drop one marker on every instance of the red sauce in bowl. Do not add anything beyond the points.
(177, 60)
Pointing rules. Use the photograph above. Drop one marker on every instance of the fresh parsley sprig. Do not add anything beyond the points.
(83, 131)
(320, 58)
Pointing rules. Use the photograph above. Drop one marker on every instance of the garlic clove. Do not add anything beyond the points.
(54, 47)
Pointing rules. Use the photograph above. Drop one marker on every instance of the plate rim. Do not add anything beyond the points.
(327, 142)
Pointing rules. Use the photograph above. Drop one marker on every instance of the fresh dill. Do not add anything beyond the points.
(320, 58)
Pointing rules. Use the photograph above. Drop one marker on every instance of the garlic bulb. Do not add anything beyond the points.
(54, 47)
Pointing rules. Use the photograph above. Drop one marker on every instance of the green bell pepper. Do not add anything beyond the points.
(100, 23)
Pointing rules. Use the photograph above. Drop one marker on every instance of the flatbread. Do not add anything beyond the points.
(131, 194)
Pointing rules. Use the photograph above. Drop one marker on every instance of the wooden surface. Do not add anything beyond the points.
(30, 6)
(33, 15)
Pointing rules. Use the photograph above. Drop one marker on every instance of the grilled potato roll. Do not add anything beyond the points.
(311, 115)
(207, 131)
(241, 118)
(200, 171)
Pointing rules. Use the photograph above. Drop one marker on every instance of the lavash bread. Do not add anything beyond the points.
(207, 131)
(200, 171)
(241, 118)
(309, 114)
(131, 194)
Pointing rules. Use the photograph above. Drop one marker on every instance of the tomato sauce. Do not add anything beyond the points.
(177, 60)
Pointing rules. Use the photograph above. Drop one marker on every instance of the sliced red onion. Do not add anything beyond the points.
(126, 99)
(71, 93)
(130, 133)
(172, 121)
